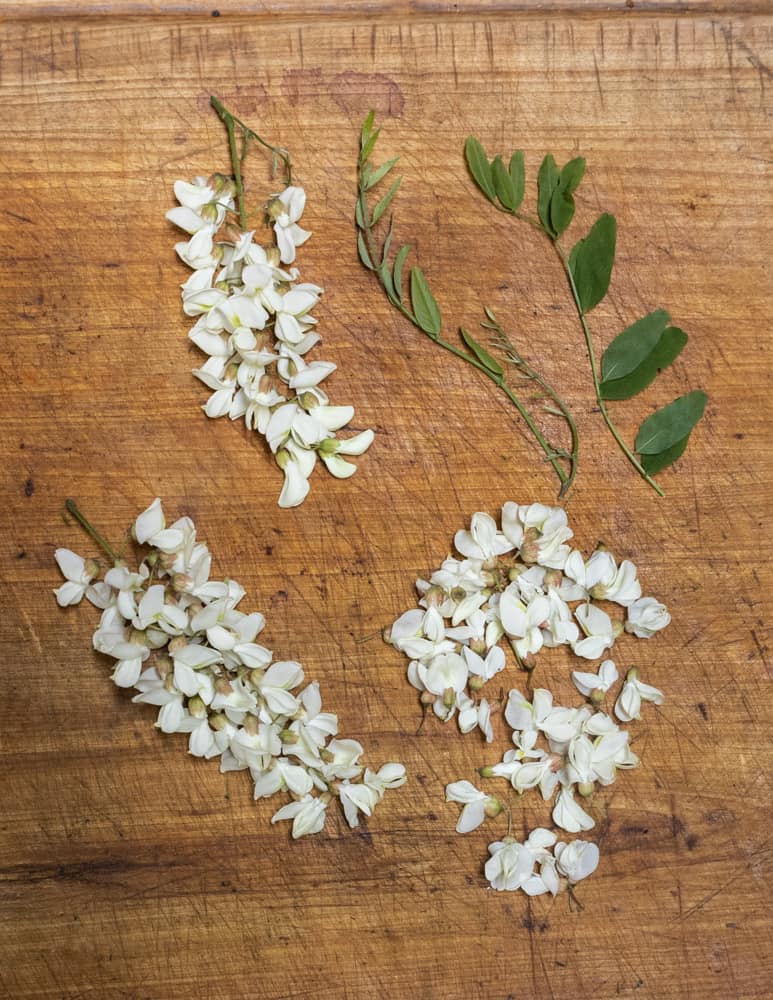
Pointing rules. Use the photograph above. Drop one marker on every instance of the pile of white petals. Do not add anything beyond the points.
(253, 320)
(523, 583)
(177, 638)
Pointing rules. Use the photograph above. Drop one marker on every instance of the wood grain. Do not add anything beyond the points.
(127, 868)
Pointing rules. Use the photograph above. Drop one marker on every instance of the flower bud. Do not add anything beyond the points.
(476, 682)
(197, 708)
(386, 633)
(427, 697)
(308, 400)
(586, 788)
(283, 458)
(209, 212)
(217, 721)
(633, 674)
(274, 209)
(435, 596)
(91, 567)
(479, 646)
(596, 697)
(182, 582)
(486, 772)
(449, 697)
(492, 807)
(617, 629)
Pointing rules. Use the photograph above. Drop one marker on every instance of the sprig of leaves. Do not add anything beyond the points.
(420, 306)
(638, 354)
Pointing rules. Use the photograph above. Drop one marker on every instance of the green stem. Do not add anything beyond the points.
(72, 508)
(458, 352)
(231, 122)
(594, 372)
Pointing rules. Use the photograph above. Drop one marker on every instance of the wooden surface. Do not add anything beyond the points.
(132, 870)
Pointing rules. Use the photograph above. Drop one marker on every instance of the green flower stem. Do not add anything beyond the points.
(72, 508)
(594, 372)
(231, 122)
(498, 380)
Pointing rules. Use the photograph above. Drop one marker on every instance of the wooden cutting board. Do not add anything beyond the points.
(128, 868)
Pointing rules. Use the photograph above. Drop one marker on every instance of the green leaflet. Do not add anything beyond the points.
(383, 205)
(653, 464)
(367, 128)
(503, 184)
(479, 166)
(518, 177)
(631, 347)
(481, 354)
(397, 271)
(547, 182)
(666, 428)
(667, 349)
(591, 262)
(562, 202)
(373, 177)
(363, 252)
(425, 308)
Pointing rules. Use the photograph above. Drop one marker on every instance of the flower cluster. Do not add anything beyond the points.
(178, 638)
(524, 583)
(512, 865)
(253, 320)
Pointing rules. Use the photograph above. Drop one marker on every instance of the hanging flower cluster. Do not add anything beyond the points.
(178, 639)
(253, 320)
(524, 583)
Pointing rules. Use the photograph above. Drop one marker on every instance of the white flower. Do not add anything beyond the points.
(510, 865)
(484, 669)
(477, 805)
(538, 842)
(545, 532)
(598, 629)
(634, 692)
(577, 860)
(561, 630)
(569, 815)
(523, 623)
(356, 799)
(646, 617)
(77, 574)
(447, 671)
(587, 683)
(150, 528)
(483, 540)
(606, 582)
(289, 234)
(307, 814)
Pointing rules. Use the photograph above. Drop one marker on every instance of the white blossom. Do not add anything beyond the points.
(576, 860)
(477, 805)
(633, 693)
(646, 617)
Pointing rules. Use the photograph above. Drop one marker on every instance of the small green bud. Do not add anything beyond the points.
(492, 807)
(596, 697)
(449, 697)
(476, 682)
(586, 788)
(209, 213)
(486, 772)
(283, 458)
(197, 708)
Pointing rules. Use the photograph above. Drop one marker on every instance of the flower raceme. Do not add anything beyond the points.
(253, 320)
(178, 638)
(521, 581)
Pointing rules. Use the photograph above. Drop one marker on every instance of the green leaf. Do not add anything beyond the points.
(383, 205)
(367, 128)
(591, 262)
(379, 173)
(547, 181)
(479, 166)
(425, 308)
(667, 349)
(561, 210)
(363, 251)
(386, 277)
(481, 354)
(572, 174)
(518, 177)
(397, 271)
(664, 429)
(503, 184)
(631, 347)
(653, 464)
(369, 145)
(387, 245)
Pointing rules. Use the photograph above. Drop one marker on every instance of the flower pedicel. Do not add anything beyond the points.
(178, 639)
